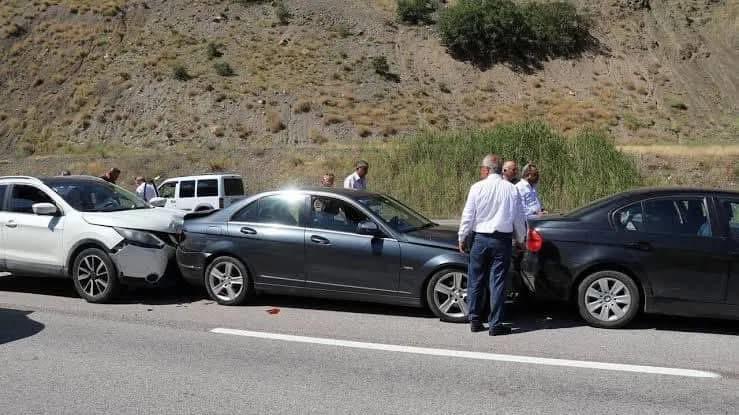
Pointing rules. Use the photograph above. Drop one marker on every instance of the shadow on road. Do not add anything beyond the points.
(525, 316)
(16, 325)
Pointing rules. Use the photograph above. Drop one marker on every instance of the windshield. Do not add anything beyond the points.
(95, 196)
(395, 214)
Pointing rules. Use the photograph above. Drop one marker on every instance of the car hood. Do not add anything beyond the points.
(156, 220)
(439, 236)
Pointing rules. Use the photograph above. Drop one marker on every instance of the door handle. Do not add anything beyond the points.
(319, 240)
(11, 224)
(641, 245)
(248, 231)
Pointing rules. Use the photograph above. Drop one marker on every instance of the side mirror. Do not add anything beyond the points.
(368, 228)
(44, 209)
(158, 202)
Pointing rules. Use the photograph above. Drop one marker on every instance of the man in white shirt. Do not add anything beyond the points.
(494, 213)
(527, 189)
(145, 190)
(358, 179)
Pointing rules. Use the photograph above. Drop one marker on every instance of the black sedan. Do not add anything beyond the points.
(342, 244)
(664, 251)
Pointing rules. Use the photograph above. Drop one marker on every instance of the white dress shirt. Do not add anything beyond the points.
(146, 191)
(493, 205)
(353, 181)
(529, 198)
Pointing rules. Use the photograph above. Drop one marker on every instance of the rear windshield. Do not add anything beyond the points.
(233, 186)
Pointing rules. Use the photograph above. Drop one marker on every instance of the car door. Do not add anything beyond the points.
(186, 195)
(168, 190)
(3, 218)
(33, 242)
(269, 237)
(677, 246)
(206, 195)
(729, 215)
(340, 259)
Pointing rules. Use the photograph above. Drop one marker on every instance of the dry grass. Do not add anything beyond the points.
(274, 122)
(675, 150)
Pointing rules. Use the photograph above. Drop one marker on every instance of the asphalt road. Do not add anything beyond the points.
(176, 352)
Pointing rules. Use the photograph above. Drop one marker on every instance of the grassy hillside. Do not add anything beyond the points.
(255, 86)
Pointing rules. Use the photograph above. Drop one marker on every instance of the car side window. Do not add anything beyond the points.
(630, 218)
(167, 190)
(23, 198)
(275, 209)
(207, 188)
(334, 215)
(3, 188)
(187, 189)
(731, 215)
(677, 217)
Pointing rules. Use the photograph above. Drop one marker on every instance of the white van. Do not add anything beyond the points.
(197, 193)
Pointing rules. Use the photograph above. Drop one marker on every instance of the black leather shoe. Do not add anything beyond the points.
(500, 331)
(476, 327)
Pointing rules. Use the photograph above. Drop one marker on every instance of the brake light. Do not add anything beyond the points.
(534, 241)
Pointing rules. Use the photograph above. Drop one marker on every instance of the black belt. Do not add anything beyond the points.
(496, 235)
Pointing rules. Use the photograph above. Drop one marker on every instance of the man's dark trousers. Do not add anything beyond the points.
(490, 258)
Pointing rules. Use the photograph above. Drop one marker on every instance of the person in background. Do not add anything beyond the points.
(510, 171)
(485, 166)
(65, 173)
(144, 190)
(493, 212)
(358, 179)
(327, 180)
(527, 188)
(112, 175)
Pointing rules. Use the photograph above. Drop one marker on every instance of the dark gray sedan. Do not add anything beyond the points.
(329, 243)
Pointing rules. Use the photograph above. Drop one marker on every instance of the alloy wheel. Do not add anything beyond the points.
(226, 281)
(450, 294)
(93, 275)
(608, 299)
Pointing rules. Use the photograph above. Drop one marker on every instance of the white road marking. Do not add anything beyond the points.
(655, 370)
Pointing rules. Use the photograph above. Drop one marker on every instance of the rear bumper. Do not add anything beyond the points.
(546, 280)
(192, 265)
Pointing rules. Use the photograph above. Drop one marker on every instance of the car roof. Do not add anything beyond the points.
(675, 190)
(202, 177)
(349, 193)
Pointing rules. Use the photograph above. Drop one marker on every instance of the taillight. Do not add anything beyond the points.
(534, 241)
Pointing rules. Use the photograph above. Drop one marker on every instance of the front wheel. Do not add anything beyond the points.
(94, 276)
(227, 281)
(608, 299)
(446, 295)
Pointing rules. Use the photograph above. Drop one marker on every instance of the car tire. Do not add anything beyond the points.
(95, 276)
(446, 295)
(608, 299)
(227, 281)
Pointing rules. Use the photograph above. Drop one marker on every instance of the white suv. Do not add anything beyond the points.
(85, 228)
(197, 193)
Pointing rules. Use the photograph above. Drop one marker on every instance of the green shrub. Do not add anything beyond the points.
(223, 69)
(179, 72)
(556, 28)
(213, 51)
(381, 67)
(282, 13)
(416, 11)
(432, 171)
(483, 29)
(489, 31)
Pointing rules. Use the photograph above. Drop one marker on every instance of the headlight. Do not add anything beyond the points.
(140, 238)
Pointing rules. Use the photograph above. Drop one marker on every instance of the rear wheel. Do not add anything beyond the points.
(95, 277)
(446, 295)
(608, 299)
(227, 281)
